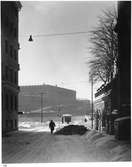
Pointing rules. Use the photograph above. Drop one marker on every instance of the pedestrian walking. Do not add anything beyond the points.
(52, 126)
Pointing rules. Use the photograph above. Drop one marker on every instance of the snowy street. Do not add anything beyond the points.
(38, 146)
(65, 82)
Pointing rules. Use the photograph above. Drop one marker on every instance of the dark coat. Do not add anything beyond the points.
(51, 125)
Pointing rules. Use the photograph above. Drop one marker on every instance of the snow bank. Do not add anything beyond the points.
(34, 144)
(94, 146)
(110, 148)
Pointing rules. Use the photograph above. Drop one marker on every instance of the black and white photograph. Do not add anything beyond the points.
(65, 82)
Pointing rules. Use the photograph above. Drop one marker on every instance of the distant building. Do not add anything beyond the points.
(10, 66)
(30, 97)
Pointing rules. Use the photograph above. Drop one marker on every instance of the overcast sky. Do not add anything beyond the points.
(57, 60)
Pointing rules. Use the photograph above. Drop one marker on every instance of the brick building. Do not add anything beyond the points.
(30, 97)
(10, 66)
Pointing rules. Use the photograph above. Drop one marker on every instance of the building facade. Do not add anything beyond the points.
(106, 102)
(114, 100)
(10, 66)
(123, 30)
(32, 97)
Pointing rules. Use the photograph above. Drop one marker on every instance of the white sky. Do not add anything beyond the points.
(57, 60)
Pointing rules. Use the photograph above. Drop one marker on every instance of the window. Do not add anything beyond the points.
(11, 123)
(6, 46)
(11, 51)
(6, 72)
(11, 75)
(7, 125)
(3, 72)
(10, 28)
(7, 101)
(3, 101)
(11, 100)
(15, 54)
(16, 77)
(16, 103)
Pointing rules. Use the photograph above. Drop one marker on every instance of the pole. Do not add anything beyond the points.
(92, 100)
(41, 107)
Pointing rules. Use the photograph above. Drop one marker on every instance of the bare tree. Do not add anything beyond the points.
(104, 48)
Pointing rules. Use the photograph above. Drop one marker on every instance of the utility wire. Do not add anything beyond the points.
(58, 34)
(61, 34)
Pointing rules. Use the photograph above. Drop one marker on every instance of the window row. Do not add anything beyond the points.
(9, 49)
(11, 28)
(9, 9)
(11, 102)
(11, 124)
(11, 75)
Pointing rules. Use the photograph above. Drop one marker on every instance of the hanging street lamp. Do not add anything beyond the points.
(30, 39)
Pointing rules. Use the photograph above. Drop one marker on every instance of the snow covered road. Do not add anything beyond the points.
(67, 149)
(39, 147)
(29, 147)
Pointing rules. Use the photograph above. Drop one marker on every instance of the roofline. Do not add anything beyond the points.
(49, 86)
